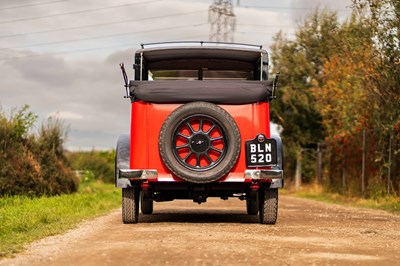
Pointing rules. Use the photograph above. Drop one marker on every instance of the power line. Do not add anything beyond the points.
(89, 49)
(33, 4)
(99, 24)
(288, 8)
(77, 12)
(66, 52)
(102, 36)
(256, 32)
(260, 25)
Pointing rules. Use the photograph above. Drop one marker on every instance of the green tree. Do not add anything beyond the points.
(300, 62)
(340, 79)
(383, 17)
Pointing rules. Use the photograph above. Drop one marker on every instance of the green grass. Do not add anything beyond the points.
(389, 203)
(24, 219)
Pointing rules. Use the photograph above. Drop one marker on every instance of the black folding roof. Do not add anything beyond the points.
(155, 53)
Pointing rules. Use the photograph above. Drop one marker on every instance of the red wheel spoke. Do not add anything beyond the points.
(199, 143)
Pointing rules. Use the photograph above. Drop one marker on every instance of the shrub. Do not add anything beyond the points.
(99, 163)
(33, 164)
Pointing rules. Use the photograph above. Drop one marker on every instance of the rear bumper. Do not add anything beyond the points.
(138, 174)
(125, 176)
(263, 174)
(273, 176)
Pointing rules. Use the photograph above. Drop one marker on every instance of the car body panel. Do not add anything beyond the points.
(147, 119)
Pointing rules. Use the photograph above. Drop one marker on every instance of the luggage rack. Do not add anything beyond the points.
(201, 43)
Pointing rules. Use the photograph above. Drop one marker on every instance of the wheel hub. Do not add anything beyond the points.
(200, 143)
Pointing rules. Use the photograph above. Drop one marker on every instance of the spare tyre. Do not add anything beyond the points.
(199, 142)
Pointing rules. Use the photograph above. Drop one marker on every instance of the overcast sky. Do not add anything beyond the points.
(61, 56)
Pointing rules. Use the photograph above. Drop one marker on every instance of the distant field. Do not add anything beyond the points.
(24, 219)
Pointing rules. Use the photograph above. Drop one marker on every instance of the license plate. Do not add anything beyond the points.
(261, 152)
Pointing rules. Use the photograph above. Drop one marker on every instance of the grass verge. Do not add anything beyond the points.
(389, 203)
(24, 219)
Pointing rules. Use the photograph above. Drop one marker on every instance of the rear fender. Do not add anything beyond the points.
(278, 139)
(122, 159)
(280, 165)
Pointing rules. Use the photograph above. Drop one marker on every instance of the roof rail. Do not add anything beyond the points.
(201, 43)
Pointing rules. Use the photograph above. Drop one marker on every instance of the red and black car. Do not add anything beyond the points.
(200, 128)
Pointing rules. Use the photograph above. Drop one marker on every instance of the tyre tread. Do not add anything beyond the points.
(130, 214)
(269, 206)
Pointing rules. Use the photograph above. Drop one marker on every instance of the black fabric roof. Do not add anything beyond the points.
(157, 55)
(215, 91)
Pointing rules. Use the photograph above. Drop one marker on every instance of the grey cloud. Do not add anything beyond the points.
(48, 70)
(92, 89)
(342, 7)
(86, 89)
(120, 56)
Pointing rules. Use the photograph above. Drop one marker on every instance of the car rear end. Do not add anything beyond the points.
(200, 128)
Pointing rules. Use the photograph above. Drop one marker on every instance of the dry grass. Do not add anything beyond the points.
(313, 191)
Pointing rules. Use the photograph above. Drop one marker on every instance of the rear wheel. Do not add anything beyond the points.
(146, 204)
(130, 205)
(268, 206)
(199, 142)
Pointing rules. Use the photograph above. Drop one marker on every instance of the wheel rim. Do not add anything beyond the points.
(199, 143)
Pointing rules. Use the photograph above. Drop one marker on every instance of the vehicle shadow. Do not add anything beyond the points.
(188, 216)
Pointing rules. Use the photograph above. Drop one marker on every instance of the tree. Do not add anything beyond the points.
(301, 62)
(383, 17)
(345, 87)
(341, 79)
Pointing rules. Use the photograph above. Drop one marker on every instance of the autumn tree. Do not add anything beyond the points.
(343, 99)
(340, 79)
(383, 18)
(301, 63)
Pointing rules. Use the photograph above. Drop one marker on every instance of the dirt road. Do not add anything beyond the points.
(220, 233)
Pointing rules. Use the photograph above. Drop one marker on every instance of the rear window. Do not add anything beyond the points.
(203, 74)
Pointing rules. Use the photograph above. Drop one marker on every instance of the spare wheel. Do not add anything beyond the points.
(199, 142)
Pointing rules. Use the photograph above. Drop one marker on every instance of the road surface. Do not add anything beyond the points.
(220, 233)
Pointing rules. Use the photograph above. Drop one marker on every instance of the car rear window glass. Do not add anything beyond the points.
(205, 75)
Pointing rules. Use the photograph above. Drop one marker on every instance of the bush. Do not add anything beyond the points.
(99, 163)
(33, 164)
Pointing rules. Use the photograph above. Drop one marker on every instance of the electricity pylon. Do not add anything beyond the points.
(223, 21)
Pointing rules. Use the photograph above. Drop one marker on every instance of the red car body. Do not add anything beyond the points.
(147, 118)
(200, 127)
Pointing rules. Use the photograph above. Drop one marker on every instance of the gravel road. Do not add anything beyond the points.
(220, 233)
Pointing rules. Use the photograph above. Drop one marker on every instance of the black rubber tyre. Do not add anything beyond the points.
(130, 205)
(252, 205)
(268, 206)
(199, 142)
(146, 205)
